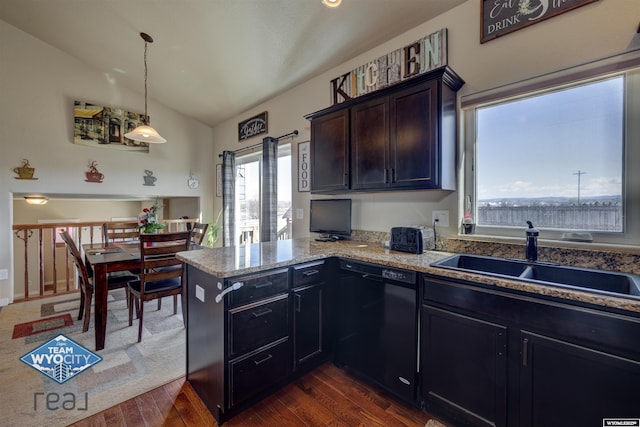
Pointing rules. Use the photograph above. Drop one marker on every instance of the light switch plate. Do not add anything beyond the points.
(200, 293)
(299, 213)
(442, 217)
(4, 274)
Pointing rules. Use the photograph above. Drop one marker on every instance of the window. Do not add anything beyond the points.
(557, 157)
(248, 181)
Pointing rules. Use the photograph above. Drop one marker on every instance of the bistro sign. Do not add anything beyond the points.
(499, 17)
(416, 58)
(254, 126)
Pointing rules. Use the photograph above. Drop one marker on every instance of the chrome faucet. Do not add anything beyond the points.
(531, 249)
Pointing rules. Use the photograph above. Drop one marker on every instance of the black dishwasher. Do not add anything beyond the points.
(377, 328)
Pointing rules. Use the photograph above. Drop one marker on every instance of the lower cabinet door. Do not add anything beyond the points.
(252, 374)
(464, 370)
(563, 384)
(307, 324)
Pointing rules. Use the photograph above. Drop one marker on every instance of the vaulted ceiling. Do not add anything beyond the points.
(213, 59)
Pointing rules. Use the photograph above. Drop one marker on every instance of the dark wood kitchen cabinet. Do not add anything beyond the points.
(464, 363)
(563, 384)
(370, 144)
(310, 339)
(330, 152)
(565, 363)
(238, 342)
(401, 137)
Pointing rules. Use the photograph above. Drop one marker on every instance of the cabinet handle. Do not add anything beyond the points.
(264, 359)
(261, 313)
(344, 180)
(310, 273)
(231, 288)
(263, 285)
(386, 176)
(525, 346)
(393, 175)
(298, 302)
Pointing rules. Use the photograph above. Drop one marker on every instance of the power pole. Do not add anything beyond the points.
(579, 173)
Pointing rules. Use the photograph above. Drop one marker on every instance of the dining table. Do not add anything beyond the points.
(120, 256)
(116, 257)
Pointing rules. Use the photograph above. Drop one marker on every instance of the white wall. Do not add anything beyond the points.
(583, 34)
(38, 85)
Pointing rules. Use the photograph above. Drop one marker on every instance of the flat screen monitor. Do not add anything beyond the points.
(331, 217)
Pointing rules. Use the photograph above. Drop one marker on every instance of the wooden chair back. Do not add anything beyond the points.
(198, 232)
(161, 273)
(120, 231)
(158, 258)
(86, 286)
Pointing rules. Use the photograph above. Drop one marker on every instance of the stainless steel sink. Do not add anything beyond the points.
(599, 281)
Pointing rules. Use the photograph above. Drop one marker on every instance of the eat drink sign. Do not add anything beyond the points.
(500, 17)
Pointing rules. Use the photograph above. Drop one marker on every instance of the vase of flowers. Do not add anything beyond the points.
(148, 220)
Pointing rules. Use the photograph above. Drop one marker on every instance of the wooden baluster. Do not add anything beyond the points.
(25, 237)
(41, 261)
(54, 231)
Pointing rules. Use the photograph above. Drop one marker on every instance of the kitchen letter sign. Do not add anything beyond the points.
(499, 17)
(253, 126)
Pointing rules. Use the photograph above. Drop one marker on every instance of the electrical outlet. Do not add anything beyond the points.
(442, 217)
(4, 274)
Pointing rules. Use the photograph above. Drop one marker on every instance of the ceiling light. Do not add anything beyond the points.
(36, 200)
(145, 133)
(331, 3)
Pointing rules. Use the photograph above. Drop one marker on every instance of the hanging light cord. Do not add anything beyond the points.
(147, 39)
(145, 121)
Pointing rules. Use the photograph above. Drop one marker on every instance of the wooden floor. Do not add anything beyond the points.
(327, 396)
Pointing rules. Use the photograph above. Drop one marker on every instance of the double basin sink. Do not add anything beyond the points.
(584, 279)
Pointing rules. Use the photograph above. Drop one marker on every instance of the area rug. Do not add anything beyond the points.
(127, 368)
(44, 325)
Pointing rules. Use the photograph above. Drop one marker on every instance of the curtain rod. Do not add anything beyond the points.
(289, 135)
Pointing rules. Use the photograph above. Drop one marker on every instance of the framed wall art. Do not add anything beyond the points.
(97, 126)
(304, 164)
(219, 180)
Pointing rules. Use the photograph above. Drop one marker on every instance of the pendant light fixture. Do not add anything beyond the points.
(145, 133)
(331, 3)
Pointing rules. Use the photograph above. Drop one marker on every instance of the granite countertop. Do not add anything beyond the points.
(242, 260)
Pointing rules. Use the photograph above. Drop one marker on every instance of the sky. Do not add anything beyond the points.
(536, 147)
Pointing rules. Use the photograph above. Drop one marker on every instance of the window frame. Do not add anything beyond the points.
(627, 65)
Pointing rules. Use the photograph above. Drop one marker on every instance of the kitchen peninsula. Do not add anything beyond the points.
(260, 315)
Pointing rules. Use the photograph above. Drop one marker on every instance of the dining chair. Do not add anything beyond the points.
(85, 280)
(161, 273)
(198, 232)
(120, 231)
(123, 231)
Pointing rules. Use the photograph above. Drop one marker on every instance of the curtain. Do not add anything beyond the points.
(269, 205)
(228, 197)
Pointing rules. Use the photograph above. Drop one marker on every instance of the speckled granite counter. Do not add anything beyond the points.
(241, 260)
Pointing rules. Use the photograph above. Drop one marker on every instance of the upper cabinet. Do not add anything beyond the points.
(401, 137)
(330, 158)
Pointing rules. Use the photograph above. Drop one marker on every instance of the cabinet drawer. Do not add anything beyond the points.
(250, 375)
(259, 286)
(252, 326)
(303, 274)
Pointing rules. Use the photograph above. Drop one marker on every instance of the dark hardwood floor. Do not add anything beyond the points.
(327, 396)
